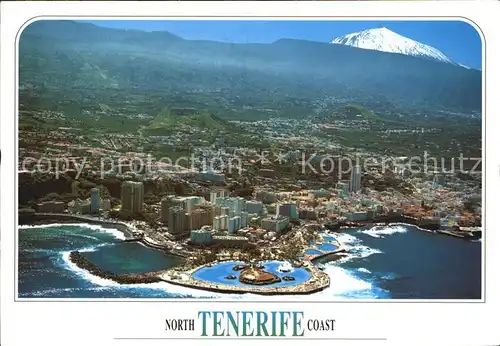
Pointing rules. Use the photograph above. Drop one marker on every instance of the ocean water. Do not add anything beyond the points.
(397, 261)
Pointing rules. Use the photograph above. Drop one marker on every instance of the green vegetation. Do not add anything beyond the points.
(355, 111)
(158, 84)
(167, 120)
(64, 64)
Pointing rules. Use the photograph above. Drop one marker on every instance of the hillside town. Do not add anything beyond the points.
(250, 200)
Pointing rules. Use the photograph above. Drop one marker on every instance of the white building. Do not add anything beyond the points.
(267, 196)
(213, 197)
(105, 204)
(254, 207)
(132, 196)
(217, 222)
(224, 222)
(95, 200)
(275, 224)
(79, 206)
(356, 178)
(287, 209)
(201, 236)
(244, 219)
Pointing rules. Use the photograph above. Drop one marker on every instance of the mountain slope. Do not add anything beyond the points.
(385, 40)
(170, 120)
(155, 69)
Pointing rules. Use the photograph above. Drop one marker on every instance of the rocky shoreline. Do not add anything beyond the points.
(336, 225)
(467, 233)
(83, 262)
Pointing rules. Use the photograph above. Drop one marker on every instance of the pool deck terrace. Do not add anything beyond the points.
(323, 254)
(316, 283)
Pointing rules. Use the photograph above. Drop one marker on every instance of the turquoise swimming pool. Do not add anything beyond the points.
(319, 248)
(217, 273)
(328, 247)
(313, 252)
(329, 239)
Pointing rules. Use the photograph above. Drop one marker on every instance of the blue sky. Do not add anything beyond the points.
(458, 40)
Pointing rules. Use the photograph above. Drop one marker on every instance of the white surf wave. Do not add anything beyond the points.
(347, 239)
(342, 282)
(84, 274)
(86, 237)
(113, 231)
(382, 231)
(388, 276)
(44, 293)
(92, 248)
(364, 270)
(39, 251)
(354, 248)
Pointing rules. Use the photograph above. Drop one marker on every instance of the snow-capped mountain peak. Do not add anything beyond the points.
(385, 40)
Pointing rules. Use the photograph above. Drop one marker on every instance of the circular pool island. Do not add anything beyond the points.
(257, 276)
(267, 273)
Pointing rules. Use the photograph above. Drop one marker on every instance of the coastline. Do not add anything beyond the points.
(47, 218)
(40, 219)
(465, 233)
(177, 275)
(318, 281)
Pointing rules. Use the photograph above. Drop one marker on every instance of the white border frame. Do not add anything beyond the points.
(402, 323)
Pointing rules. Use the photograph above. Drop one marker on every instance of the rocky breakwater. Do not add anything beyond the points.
(424, 223)
(82, 262)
